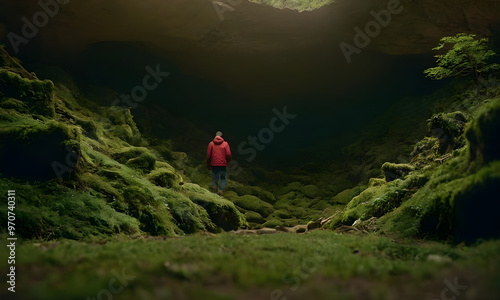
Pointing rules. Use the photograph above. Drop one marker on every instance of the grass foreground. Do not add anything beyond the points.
(316, 265)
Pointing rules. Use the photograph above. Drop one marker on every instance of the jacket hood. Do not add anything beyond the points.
(218, 140)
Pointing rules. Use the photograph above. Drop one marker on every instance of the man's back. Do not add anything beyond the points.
(218, 152)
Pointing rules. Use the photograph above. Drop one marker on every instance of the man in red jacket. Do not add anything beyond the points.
(218, 157)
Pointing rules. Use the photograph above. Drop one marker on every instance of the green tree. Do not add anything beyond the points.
(465, 56)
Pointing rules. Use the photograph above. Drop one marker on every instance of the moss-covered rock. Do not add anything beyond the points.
(376, 182)
(311, 191)
(282, 214)
(41, 152)
(448, 129)
(345, 196)
(242, 190)
(136, 157)
(165, 176)
(483, 134)
(222, 212)
(254, 217)
(425, 151)
(188, 216)
(253, 203)
(145, 162)
(394, 171)
(35, 93)
(17, 105)
(375, 201)
(464, 208)
(154, 217)
(273, 223)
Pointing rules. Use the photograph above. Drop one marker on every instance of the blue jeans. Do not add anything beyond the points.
(219, 172)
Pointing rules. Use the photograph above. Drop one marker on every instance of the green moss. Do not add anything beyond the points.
(40, 152)
(375, 201)
(96, 183)
(17, 105)
(483, 133)
(165, 177)
(346, 195)
(253, 203)
(3, 61)
(448, 129)
(35, 93)
(242, 190)
(394, 171)
(51, 211)
(425, 151)
(272, 223)
(282, 214)
(254, 217)
(188, 216)
(312, 191)
(463, 208)
(222, 212)
(376, 182)
(145, 162)
(153, 215)
(136, 157)
(89, 127)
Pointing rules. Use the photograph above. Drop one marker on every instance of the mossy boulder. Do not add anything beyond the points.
(17, 105)
(136, 157)
(42, 152)
(282, 214)
(222, 212)
(273, 223)
(242, 190)
(153, 216)
(37, 94)
(465, 208)
(254, 217)
(483, 134)
(448, 129)
(253, 203)
(311, 191)
(145, 162)
(373, 202)
(188, 216)
(345, 196)
(425, 151)
(89, 127)
(165, 178)
(122, 116)
(376, 182)
(394, 171)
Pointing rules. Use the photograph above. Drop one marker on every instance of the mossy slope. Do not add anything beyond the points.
(84, 170)
(449, 191)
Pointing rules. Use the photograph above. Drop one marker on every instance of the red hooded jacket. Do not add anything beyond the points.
(218, 152)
